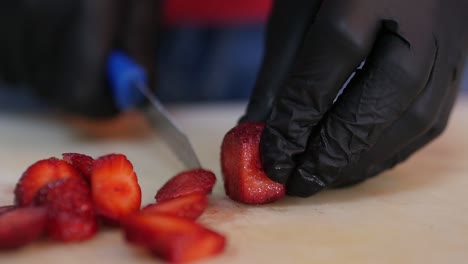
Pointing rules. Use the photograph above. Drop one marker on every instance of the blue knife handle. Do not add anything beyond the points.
(123, 73)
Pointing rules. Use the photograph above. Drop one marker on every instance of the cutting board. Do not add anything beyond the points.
(416, 213)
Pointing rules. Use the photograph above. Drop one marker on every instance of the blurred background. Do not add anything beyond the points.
(209, 51)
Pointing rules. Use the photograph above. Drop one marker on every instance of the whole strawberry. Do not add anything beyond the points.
(244, 178)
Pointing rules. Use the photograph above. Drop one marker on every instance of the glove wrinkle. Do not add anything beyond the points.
(394, 76)
(304, 184)
(279, 166)
(425, 120)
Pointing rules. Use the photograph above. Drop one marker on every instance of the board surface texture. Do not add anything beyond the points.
(416, 213)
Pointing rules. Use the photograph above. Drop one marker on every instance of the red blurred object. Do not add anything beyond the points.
(215, 12)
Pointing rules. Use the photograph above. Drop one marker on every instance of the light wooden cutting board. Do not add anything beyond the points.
(417, 213)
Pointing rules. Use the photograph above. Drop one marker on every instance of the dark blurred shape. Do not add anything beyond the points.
(59, 48)
(464, 82)
(207, 64)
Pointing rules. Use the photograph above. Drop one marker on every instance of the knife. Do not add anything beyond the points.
(128, 82)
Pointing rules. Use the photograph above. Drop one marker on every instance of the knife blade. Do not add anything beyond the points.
(129, 86)
(166, 126)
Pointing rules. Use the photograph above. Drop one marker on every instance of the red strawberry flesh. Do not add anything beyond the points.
(82, 163)
(7, 208)
(70, 209)
(21, 226)
(244, 178)
(38, 175)
(189, 206)
(115, 189)
(173, 238)
(188, 182)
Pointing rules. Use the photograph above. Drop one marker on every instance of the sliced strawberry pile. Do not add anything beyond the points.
(65, 199)
(168, 229)
(244, 179)
(55, 197)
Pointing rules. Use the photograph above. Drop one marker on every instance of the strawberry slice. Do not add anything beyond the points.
(173, 238)
(70, 210)
(7, 208)
(38, 175)
(244, 178)
(82, 163)
(189, 206)
(185, 183)
(115, 188)
(21, 226)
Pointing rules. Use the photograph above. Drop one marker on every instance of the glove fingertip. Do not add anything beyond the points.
(276, 164)
(303, 184)
(278, 174)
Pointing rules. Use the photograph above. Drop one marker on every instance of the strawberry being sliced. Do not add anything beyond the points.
(38, 175)
(7, 208)
(115, 189)
(70, 209)
(21, 226)
(188, 206)
(82, 163)
(173, 238)
(244, 179)
(185, 183)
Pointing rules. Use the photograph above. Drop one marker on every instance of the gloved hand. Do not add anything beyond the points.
(398, 102)
(60, 47)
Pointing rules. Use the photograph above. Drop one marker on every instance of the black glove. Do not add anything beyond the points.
(60, 47)
(399, 101)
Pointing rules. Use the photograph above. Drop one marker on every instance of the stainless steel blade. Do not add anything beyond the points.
(166, 126)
